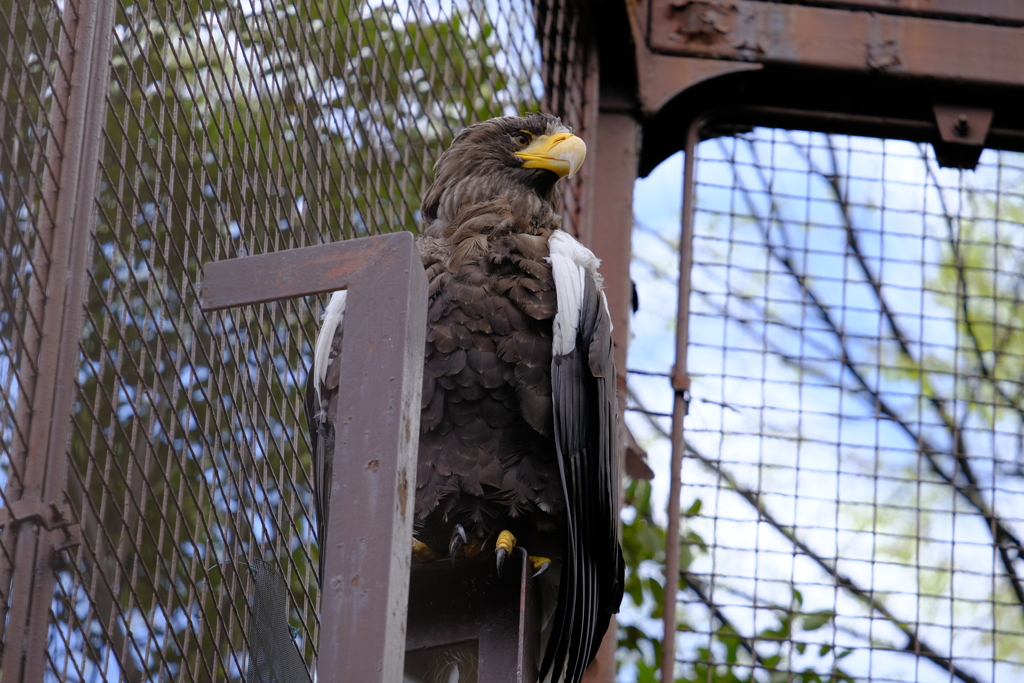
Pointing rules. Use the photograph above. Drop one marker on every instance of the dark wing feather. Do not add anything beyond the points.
(583, 394)
(319, 417)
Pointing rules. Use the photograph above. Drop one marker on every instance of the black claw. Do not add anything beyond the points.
(501, 559)
(543, 568)
(458, 540)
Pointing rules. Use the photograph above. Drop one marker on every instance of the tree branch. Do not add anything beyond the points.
(694, 583)
(914, 644)
(962, 287)
(1003, 537)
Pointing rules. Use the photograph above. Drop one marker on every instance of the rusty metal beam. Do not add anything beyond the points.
(366, 584)
(831, 37)
(610, 238)
(846, 57)
(1002, 12)
(612, 221)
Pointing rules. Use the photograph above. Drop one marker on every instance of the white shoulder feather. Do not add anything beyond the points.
(333, 316)
(571, 263)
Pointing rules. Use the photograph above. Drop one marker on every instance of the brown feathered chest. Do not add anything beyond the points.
(486, 456)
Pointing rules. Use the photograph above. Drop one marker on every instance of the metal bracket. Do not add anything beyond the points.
(681, 388)
(963, 131)
(50, 516)
(72, 538)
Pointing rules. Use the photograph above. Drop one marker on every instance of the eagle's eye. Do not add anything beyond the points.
(522, 138)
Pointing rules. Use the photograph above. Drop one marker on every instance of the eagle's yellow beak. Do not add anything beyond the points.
(562, 153)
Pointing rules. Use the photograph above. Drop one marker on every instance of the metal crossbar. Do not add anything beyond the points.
(367, 568)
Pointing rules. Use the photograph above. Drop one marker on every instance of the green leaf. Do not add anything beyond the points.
(694, 539)
(816, 620)
(694, 509)
(658, 593)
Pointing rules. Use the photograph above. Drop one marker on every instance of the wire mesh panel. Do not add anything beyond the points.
(237, 128)
(853, 478)
(29, 162)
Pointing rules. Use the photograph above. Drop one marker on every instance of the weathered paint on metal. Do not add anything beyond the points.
(1005, 12)
(613, 222)
(366, 583)
(839, 38)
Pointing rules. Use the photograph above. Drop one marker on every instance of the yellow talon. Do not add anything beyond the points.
(421, 552)
(506, 541)
(504, 545)
(539, 563)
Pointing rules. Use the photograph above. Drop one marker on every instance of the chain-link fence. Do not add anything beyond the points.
(231, 128)
(853, 472)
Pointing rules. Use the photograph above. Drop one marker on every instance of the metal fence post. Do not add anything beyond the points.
(43, 523)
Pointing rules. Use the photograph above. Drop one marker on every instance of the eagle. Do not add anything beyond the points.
(519, 423)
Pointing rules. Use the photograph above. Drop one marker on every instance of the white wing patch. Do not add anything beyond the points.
(333, 316)
(571, 263)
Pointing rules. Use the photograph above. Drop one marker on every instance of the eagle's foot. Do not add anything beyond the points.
(421, 552)
(505, 544)
(541, 564)
(457, 542)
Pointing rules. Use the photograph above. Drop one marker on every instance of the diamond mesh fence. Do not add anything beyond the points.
(232, 128)
(853, 479)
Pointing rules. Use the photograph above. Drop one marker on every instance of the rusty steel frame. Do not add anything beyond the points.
(366, 587)
(841, 37)
(471, 602)
(610, 222)
(36, 514)
(1001, 12)
(958, 134)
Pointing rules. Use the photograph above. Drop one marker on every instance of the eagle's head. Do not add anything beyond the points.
(520, 158)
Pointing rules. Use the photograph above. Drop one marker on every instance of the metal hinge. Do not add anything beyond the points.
(963, 131)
